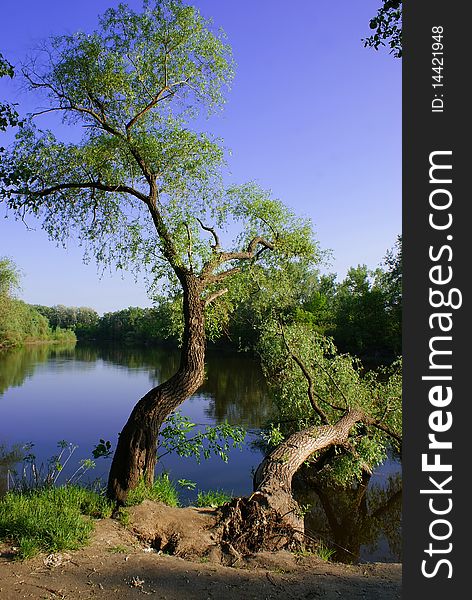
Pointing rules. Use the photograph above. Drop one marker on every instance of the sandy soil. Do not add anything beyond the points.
(120, 563)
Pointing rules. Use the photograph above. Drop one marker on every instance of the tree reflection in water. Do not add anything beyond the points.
(361, 520)
(18, 364)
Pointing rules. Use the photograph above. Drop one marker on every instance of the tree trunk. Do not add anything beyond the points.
(135, 455)
(271, 519)
(273, 478)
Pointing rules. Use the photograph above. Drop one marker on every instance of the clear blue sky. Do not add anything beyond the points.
(313, 116)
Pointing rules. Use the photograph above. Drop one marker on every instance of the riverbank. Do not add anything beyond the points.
(117, 564)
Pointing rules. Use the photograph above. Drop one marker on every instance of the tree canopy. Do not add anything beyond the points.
(8, 115)
(387, 25)
(143, 187)
(313, 384)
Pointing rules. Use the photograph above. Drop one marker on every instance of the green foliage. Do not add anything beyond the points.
(216, 439)
(187, 484)
(310, 379)
(162, 490)
(123, 516)
(113, 74)
(8, 115)
(69, 317)
(50, 519)
(213, 498)
(9, 277)
(19, 322)
(360, 319)
(143, 188)
(368, 310)
(388, 28)
(139, 325)
(324, 552)
(32, 475)
(102, 449)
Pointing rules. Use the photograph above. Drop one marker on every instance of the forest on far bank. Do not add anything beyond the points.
(21, 323)
(362, 314)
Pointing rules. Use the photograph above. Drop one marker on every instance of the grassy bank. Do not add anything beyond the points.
(50, 519)
(20, 324)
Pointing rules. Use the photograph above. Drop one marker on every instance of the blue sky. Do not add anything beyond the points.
(313, 116)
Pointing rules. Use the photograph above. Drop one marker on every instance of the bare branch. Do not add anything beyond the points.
(209, 299)
(96, 185)
(216, 246)
(311, 386)
(47, 110)
(189, 250)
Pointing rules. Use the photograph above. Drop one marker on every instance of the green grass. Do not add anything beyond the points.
(213, 498)
(50, 519)
(123, 517)
(321, 551)
(324, 552)
(162, 490)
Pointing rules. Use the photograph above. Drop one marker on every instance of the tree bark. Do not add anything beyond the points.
(135, 455)
(271, 519)
(273, 477)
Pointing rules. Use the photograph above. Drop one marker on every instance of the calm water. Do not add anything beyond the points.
(82, 394)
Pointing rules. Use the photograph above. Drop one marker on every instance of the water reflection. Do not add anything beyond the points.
(19, 364)
(49, 393)
(361, 523)
(86, 393)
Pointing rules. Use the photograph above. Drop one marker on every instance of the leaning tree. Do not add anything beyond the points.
(142, 186)
(332, 414)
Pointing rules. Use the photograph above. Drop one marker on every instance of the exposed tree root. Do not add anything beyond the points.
(251, 525)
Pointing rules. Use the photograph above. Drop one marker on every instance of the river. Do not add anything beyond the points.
(85, 393)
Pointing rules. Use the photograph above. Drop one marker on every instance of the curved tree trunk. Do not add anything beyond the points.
(271, 519)
(273, 477)
(135, 455)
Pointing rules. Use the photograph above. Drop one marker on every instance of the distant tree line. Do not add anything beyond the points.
(20, 323)
(362, 313)
(130, 325)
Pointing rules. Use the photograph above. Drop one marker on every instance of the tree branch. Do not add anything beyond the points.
(220, 276)
(209, 299)
(216, 245)
(311, 386)
(222, 257)
(386, 430)
(93, 185)
(189, 250)
(62, 97)
(147, 108)
(249, 253)
(157, 98)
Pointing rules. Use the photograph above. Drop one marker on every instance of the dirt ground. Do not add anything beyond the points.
(125, 563)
